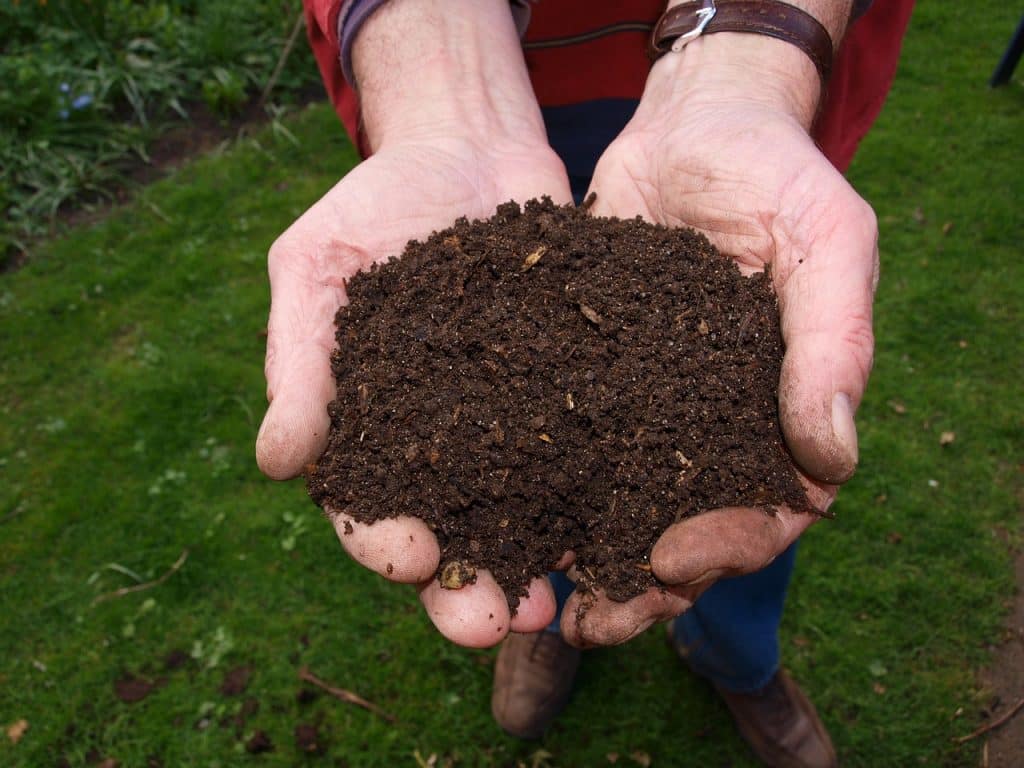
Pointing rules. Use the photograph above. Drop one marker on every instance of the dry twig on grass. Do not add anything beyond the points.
(283, 59)
(147, 585)
(347, 696)
(993, 725)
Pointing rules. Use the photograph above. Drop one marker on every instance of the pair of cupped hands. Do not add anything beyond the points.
(745, 174)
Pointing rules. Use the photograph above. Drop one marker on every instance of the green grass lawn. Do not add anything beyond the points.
(131, 389)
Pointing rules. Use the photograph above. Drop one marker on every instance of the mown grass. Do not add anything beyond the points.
(130, 392)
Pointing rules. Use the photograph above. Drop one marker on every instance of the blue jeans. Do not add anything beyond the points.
(731, 634)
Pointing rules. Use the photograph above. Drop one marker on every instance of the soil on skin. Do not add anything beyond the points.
(547, 381)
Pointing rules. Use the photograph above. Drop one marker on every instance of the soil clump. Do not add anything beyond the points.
(546, 381)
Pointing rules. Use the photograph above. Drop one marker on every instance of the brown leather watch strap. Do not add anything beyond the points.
(765, 17)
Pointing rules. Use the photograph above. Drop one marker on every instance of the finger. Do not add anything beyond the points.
(537, 609)
(300, 338)
(825, 304)
(724, 542)
(565, 561)
(592, 619)
(475, 616)
(401, 549)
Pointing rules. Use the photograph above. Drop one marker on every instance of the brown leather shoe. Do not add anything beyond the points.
(782, 725)
(532, 681)
(779, 722)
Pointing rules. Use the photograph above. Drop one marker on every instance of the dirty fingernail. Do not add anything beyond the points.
(712, 575)
(845, 431)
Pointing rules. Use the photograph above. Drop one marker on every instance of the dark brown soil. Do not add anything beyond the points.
(547, 381)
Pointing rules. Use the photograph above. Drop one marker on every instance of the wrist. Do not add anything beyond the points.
(755, 66)
(834, 15)
(441, 68)
(736, 67)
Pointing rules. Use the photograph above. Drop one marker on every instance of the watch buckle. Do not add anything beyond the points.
(704, 17)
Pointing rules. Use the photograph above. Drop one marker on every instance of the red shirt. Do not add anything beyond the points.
(583, 50)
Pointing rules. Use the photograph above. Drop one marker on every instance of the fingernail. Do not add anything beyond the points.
(712, 575)
(844, 431)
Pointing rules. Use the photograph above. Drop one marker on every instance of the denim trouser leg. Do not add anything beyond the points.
(563, 587)
(731, 634)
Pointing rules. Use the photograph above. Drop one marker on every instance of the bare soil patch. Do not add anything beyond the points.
(1005, 678)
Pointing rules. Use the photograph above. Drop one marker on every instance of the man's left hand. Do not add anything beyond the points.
(728, 153)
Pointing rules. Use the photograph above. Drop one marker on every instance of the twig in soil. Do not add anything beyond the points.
(147, 585)
(346, 696)
(993, 725)
(743, 328)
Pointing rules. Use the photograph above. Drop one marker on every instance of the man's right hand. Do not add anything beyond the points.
(467, 137)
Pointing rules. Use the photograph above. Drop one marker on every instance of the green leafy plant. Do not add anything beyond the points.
(224, 91)
(85, 89)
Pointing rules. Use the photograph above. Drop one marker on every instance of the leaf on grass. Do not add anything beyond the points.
(131, 689)
(259, 743)
(897, 407)
(640, 758)
(16, 730)
(947, 437)
(877, 669)
(878, 688)
(307, 739)
(236, 681)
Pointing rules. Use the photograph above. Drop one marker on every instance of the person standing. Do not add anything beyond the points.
(741, 128)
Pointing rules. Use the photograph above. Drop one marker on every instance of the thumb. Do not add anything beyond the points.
(300, 338)
(825, 304)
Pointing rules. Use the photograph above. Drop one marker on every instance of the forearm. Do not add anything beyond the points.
(437, 67)
(749, 66)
